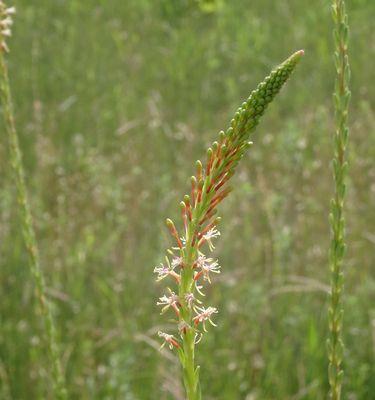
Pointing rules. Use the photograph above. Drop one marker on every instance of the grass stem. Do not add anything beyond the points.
(26, 219)
(340, 167)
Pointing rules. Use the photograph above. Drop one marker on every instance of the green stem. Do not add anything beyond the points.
(190, 378)
(28, 230)
(188, 340)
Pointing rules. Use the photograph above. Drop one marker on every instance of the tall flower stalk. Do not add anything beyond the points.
(340, 166)
(6, 14)
(186, 263)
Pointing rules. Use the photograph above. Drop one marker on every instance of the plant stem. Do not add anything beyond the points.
(338, 246)
(28, 230)
(190, 378)
(188, 342)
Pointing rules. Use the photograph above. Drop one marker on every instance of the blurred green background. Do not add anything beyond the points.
(114, 101)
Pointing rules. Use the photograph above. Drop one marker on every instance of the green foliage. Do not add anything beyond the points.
(113, 99)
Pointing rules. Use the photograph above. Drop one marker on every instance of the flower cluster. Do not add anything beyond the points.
(197, 314)
(6, 23)
(187, 265)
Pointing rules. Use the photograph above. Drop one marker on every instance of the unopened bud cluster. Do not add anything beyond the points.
(6, 23)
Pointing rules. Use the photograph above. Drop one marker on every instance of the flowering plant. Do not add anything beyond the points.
(186, 262)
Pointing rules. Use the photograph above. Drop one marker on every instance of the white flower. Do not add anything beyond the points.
(203, 315)
(206, 265)
(169, 301)
(163, 270)
(5, 24)
(177, 262)
(211, 234)
(168, 339)
(10, 11)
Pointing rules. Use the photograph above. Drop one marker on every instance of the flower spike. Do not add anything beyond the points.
(190, 268)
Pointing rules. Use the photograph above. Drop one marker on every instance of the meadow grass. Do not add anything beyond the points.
(25, 217)
(113, 100)
(340, 171)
